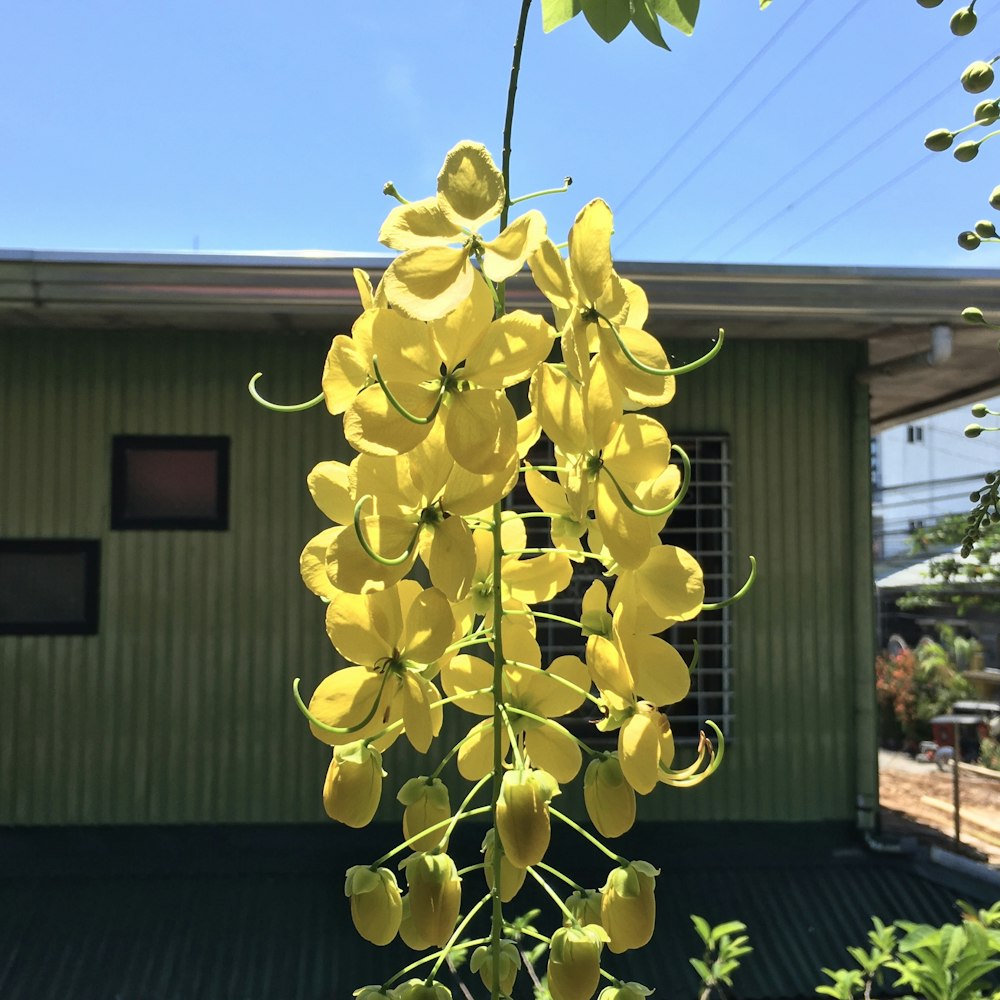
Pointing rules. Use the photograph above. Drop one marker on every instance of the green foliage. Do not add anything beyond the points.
(989, 754)
(951, 962)
(725, 945)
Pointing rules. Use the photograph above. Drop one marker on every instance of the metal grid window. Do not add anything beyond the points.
(701, 525)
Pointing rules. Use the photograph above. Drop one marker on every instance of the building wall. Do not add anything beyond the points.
(180, 709)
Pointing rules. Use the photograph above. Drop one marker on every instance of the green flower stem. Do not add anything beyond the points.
(369, 551)
(579, 553)
(472, 868)
(545, 513)
(666, 508)
(552, 723)
(548, 615)
(453, 822)
(532, 933)
(688, 780)
(546, 468)
(430, 958)
(450, 823)
(473, 639)
(398, 724)
(739, 595)
(617, 858)
(448, 756)
(279, 407)
(559, 874)
(339, 730)
(562, 189)
(458, 933)
(512, 736)
(648, 369)
(695, 656)
(561, 680)
(573, 922)
(398, 406)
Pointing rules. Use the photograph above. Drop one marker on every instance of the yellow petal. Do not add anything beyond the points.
(353, 786)
(429, 282)
(475, 758)
(537, 579)
(312, 563)
(528, 432)
(590, 250)
(345, 373)
(628, 536)
(609, 798)
(417, 224)
(672, 583)
(639, 449)
(638, 305)
(608, 668)
(465, 673)
(641, 388)
(458, 332)
(329, 484)
(551, 276)
(428, 628)
(344, 699)
(387, 480)
(451, 560)
(349, 568)
(470, 492)
(374, 426)
(421, 719)
(661, 675)
(553, 749)
(511, 350)
(639, 752)
(481, 430)
(602, 404)
(504, 256)
(558, 405)
(551, 697)
(405, 348)
(470, 188)
(364, 628)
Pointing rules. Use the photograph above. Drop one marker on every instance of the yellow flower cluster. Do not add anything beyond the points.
(423, 385)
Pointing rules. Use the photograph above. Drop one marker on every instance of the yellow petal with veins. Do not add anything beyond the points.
(465, 673)
(661, 675)
(365, 628)
(374, 426)
(428, 628)
(329, 484)
(417, 224)
(344, 699)
(349, 568)
(481, 430)
(553, 749)
(429, 282)
(312, 563)
(345, 373)
(470, 189)
(421, 718)
(513, 347)
(590, 250)
(405, 348)
(457, 333)
(548, 269)
(504, 256)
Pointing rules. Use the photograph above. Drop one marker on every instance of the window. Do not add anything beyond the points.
(49, 586)
(170, 482)
(702, 526)
(914, 434)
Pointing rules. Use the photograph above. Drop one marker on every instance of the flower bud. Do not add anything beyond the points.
(574, 967)
(973, 314)
(963, 21)
(511, 878)
(419, 990)
(628, 906)
(376, 904)
(939, 140)
(434, 890)
(985, 229)
(625, 991)
(973, 431)
(977, 77)
(979, 410)
(427, 803)
(995, 198)
(930, 3)
(411, 934)
(585, 905)
(965, 152)
(968, 240)
(987, 112)
(372, 993)
(609, 798)
(510, 962)
(353, 784)
(523, 815)
(400, 988)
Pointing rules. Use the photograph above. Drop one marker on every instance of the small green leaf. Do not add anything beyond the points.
(732, 927)
(556, 12)
(679, 14)
(647, 24)
(764, 4)
(701, 925)
(607, 17)
(702, 969)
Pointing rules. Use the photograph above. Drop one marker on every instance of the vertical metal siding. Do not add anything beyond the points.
(179, 710)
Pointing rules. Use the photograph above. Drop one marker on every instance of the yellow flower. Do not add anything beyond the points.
(397, 634)
(426, 802)
(511, 878)
(585, 905)
(434, 890)
(609, 798)
(574, 968)
(523, 815)
(432, 277)
(353, 784)
(376, 905)
(510, 962)
(453, 372)
(666, 588)
(628, 905)
(645, 742)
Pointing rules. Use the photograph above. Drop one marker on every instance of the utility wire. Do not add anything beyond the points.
(818, 151)
(699, 119)
(740, 125)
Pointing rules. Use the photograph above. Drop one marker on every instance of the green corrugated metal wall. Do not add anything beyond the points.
(180, 710)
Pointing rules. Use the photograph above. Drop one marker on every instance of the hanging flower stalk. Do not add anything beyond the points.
(423, 384)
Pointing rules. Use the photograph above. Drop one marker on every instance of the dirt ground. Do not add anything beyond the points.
(916, 801)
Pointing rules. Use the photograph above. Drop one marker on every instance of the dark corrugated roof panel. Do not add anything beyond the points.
(271, 923)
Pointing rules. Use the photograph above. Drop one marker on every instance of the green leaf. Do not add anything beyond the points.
(704, 974)
(647, 24)
(607, 17)
(679, 14)
(556, 12)
(702, 927)
(732, 927)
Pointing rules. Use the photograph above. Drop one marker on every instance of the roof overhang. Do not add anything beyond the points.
(891, 310)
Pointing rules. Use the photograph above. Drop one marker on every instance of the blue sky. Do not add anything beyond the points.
(792, 136)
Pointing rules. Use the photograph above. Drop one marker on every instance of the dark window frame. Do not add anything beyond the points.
(122, 444)
(88, 623)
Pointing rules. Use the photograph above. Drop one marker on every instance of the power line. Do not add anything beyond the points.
(678, 143)
(743, 122)
(818, 151)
